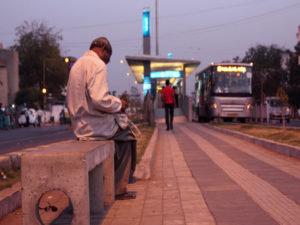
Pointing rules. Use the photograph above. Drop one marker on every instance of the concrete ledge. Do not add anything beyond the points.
(76, 170)
(5, 162)
(284, 149)
(144, 168)
(10, 199)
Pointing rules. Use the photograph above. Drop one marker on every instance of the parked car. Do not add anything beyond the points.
(28, 117)
(275, 108)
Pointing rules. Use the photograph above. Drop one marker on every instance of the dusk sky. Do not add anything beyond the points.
(205, 30)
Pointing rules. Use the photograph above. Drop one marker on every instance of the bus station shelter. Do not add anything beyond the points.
(153, 71)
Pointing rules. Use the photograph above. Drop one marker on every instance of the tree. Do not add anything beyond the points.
(293, 89)
(29, 95)
(268, 74)
(38, 45)
(236, 59)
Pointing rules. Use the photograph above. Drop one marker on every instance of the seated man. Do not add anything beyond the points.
(95, 113)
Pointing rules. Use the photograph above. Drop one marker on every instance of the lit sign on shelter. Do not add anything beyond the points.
(231, 69)
(146, 22)
(166, 74)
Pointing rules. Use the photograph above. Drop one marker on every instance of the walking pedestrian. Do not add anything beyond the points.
(1, 116)
(39, 116)
(176, 91)
(168, 99)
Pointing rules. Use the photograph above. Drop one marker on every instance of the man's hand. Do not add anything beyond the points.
(124, 106)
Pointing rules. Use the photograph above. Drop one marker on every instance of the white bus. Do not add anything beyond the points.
(224, 91)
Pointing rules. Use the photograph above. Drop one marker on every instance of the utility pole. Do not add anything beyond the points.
(156, 27)
(298, 45)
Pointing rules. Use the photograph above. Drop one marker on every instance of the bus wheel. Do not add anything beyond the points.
(199, 119)
(227, 119)
(242, 120)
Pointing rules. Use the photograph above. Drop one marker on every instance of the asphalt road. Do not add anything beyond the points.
(15, 140)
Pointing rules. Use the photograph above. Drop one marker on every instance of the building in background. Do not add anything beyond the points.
(9, 76)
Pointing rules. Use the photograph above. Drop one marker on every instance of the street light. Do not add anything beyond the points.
(44, 91)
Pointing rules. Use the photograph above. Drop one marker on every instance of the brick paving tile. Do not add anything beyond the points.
(151, 220)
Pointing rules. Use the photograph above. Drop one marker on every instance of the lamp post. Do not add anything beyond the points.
(156, 27)
(44, 90)
(128, 74)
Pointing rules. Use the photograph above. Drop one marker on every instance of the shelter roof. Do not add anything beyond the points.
(158, 63)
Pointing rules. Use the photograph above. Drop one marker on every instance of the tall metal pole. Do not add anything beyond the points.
(44, 88)
(156, 27)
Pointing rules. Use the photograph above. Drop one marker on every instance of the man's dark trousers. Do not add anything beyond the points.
(169, 115)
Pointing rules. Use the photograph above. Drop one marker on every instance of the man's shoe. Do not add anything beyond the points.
(126, 196)
(132, 180)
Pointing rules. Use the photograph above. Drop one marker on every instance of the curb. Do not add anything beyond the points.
(284, 149)
(10, 199)
(144, 168)
(11, 160)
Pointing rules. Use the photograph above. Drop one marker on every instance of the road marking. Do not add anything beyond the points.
(281, 208)
(30, 149)
(44, 146)
(22, 139)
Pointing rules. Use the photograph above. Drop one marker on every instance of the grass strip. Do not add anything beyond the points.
(12, 176)
(277, 134)
(143, 141)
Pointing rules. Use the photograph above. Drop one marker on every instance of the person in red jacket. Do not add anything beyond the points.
(168, 99)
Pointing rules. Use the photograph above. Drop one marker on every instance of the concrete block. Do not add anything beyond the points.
(15, 159)
(5, 162)
(109, 177)
(74, 168)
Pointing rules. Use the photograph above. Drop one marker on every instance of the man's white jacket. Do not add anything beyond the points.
(90, 105)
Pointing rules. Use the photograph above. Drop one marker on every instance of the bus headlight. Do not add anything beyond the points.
(249, 106)
(215, 106)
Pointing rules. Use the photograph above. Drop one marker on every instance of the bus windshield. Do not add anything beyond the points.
(232, 80)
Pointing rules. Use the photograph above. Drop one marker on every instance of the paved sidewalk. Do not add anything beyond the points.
(170, 197)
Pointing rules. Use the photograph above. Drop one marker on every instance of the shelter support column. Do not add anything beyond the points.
(184, 81)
